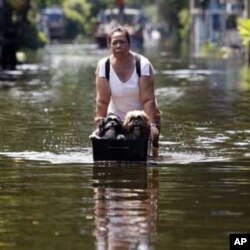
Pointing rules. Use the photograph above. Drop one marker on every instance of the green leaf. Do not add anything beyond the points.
(244, 30)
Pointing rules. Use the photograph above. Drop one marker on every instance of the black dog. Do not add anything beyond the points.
(110, 127)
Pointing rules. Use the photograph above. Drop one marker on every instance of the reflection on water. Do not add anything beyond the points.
(126, 202)
(192, 198)
(122, 206)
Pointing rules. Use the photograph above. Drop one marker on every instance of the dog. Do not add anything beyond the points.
(137, 125)
(110, 127)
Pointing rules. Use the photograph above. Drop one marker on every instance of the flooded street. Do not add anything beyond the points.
(52, 194)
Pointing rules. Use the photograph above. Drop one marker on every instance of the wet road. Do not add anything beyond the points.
(193, 198)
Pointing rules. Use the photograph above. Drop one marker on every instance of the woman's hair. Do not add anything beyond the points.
(118, 29)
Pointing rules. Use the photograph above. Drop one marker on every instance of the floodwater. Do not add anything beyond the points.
(52, 194)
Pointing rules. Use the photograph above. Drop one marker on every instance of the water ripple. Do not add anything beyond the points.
(55, 158)
(85, 157)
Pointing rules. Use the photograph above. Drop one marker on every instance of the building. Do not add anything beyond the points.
(215, 22)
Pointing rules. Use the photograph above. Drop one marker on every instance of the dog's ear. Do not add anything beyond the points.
(119, 119)
(145, 117)
(112, 114)
(127, 120)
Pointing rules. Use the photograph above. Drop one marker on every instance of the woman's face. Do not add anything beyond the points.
(119, 43)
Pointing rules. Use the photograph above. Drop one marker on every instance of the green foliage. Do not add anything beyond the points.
(169, 11)
(209, 50)
(44, 3)
(152, 12)
(78, 14)
(29, 37)
(20, 24)
(81, 15)
(170, 8)
(244, 30)
(245, 78)
(184, 18)
(43, 38)
(18, 5)
(77, 10)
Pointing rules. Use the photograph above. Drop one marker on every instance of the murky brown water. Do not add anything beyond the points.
(53, 196)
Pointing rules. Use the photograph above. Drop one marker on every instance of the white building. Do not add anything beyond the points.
(214, 22)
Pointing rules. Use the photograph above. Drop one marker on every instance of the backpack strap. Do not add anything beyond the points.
(137, 66)
(107, 68)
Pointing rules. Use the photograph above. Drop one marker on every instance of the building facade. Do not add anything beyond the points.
(215, 22)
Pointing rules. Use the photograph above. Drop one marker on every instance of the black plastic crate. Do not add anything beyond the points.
(120, 150)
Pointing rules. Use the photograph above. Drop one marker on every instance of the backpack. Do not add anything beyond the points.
(137, 66)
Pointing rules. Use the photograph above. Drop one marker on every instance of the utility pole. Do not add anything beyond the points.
(247, 8)
(247, 15)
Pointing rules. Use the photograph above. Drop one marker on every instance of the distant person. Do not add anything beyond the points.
(9, 49)
(137, 36)
(9, 40)
(121, 16)
(121, 89)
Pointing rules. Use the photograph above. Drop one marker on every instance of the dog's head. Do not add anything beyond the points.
(110, 126)
(137, 124)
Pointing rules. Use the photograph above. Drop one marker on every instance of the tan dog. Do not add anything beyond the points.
(137, 125)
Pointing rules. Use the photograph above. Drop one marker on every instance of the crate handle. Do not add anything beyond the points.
(110, 147)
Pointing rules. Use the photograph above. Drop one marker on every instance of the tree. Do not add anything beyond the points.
(44, 3)
(19, 30)
(169, 11)
(78, 14)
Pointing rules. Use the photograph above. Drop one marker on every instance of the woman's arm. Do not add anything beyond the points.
(102, 101)
(147, 96)
(102, 97)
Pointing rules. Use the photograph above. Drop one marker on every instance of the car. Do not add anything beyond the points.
(133, 19)
(53, 22)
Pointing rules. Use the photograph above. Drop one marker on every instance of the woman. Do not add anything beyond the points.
(124, 90)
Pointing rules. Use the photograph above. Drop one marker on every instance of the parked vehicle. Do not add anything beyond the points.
(53, 22)
(131, 18)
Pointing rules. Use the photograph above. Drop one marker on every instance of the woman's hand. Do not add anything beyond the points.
(94, 135)
(97, 119)
(154, 133)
